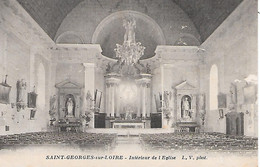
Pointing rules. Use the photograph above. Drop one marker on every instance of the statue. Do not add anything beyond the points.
(129, 25)
(21, 91)
(53, 106)
(69, 107)
(185, 107)
(130, 52)
(89, 100)
(233, 94)
(129, 112)
(108, 69)
(52, 110)
(167, 98)
(148, 69)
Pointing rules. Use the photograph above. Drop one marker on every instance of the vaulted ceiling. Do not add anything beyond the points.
(206, 15)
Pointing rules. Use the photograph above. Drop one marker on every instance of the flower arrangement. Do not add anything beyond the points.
(86, 117)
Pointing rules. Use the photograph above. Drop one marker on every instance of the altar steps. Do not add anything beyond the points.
(127, 140)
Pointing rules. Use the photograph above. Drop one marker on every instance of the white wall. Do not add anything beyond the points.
(22, 49)
(233, 48)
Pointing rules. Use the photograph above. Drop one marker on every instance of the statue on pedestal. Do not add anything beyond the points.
(21, 94)
(129, 25)
(21, 90)
(53, 108)
(186, 107)
(69, 106)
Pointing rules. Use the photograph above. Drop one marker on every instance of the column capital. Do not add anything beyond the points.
(111, 84)
(144, 82)
(89, 65)
(112, 80)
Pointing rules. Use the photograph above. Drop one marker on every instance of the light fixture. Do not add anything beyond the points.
(131, 51)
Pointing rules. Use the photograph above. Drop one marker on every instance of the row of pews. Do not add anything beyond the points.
(197, 141)
(84, 140)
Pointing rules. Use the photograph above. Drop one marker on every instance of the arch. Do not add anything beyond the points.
(110, 32)
(213, 88)
(186, 39)
(122, 14)
(41, 86)
(69, 37)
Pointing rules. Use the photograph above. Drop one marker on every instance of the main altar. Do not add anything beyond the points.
(128, 124)
(128, 84)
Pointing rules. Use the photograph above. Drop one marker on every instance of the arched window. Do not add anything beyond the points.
(213, 88)
(41, 86)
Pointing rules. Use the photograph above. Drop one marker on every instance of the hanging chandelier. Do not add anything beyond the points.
(131, 51)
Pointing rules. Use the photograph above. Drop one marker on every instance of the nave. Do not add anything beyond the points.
(171, 148)
(148, 141)
(163, 78)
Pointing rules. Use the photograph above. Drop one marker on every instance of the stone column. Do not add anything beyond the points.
(111, 84)
(143, 100)
(89, 86)
(107, 100)
(113, 100)
(144, 93)
(148, 95)
(117, 101)
(139, 98)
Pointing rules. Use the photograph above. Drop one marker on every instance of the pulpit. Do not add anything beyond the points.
(100, 120)
(156, 120)
(235, 123)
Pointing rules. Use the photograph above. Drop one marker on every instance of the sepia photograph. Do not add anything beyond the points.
(159, 83)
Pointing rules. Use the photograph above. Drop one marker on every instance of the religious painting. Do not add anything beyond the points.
(32, 96)
(32, 114)
(158, 102)
(233, 93)
(98, 97)
(4, 93)
(222, 100)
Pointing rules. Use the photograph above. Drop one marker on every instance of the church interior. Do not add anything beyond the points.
(91, 72)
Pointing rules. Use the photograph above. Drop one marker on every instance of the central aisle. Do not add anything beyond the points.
(128, 144)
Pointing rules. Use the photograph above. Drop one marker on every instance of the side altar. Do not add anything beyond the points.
(189, 105)
(69, 106)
